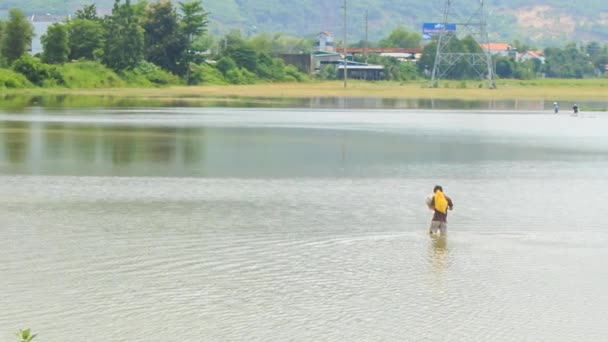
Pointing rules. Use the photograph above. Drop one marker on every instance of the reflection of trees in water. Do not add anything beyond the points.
(164, 145)
(413, 103)
(63, 146)
(16, 141)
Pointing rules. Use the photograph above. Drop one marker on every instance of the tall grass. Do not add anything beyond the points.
(149, 75)
(10, 79)
(87, 74)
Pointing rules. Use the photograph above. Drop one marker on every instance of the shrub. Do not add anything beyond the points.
(226, 64)
(89, 74)
(240, 76)
(35, 71)
(147, 74)
(293, 74)
(12, 79)
(329, 73)
(205, 74)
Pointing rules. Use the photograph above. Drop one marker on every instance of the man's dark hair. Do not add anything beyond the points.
(438, 187)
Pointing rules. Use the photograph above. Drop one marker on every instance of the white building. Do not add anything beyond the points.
(325, 42)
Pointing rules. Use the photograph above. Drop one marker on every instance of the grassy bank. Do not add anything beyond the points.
(559, 90)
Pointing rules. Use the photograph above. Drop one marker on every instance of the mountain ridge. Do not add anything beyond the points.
(535, 22)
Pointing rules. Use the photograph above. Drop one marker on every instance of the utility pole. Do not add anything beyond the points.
(365, 47)
(345, 47)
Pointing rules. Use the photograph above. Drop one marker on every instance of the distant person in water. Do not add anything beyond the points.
(439, 203)
(575, 109)
(555, 107)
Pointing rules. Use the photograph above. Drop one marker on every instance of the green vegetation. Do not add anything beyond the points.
(89, 74)
(554, 89)
(159, 43)
(124, 38)
(55, 42)
(143, 44)
(17, 35)
(37, 72)
(11, 79)
(26, 335)
(146, 74)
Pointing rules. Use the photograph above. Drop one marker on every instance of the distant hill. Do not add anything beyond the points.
(539, 22)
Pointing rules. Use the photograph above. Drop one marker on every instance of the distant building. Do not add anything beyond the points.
(302, 61)
(41, 23)
(321, 59)
(361, 71)
(355, 70)
(399, 53)
(325, 42)
(500, 49)
(532, 54)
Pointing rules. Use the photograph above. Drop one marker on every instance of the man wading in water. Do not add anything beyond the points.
(440, 204)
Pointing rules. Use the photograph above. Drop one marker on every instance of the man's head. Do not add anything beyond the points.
(438, 187)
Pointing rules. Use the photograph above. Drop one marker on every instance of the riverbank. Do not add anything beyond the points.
(510, 95)
(559, 90)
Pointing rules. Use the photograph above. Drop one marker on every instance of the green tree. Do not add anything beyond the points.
(461, 68)
(527, 70)
(505, 67)
(593, 49)
(280, 43)
(124, 41)
(139, 8)
(240, 51)
(17, 36)
(88, 12)
(194, 19)
(362, 43)
(270, 68)
(55, 44)
(468, 44)
(597, 54)
(86, 38)
(2, 59)
(601, 62)
(569, 62)
(225, 64)
(401, 38)
(204, 43)
(164, 45)
(407, 71)
(427, 59)
(520, 47)
(193, 22)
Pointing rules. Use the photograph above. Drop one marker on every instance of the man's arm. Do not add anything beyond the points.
(450, 204)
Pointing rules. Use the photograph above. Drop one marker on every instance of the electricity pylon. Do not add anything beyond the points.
(446, 58)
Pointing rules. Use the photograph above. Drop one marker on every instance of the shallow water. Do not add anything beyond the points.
(17, 102)
(287, 224)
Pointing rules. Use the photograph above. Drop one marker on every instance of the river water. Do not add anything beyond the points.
(224, 224)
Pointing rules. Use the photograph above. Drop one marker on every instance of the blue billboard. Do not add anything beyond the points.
(432, 29)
